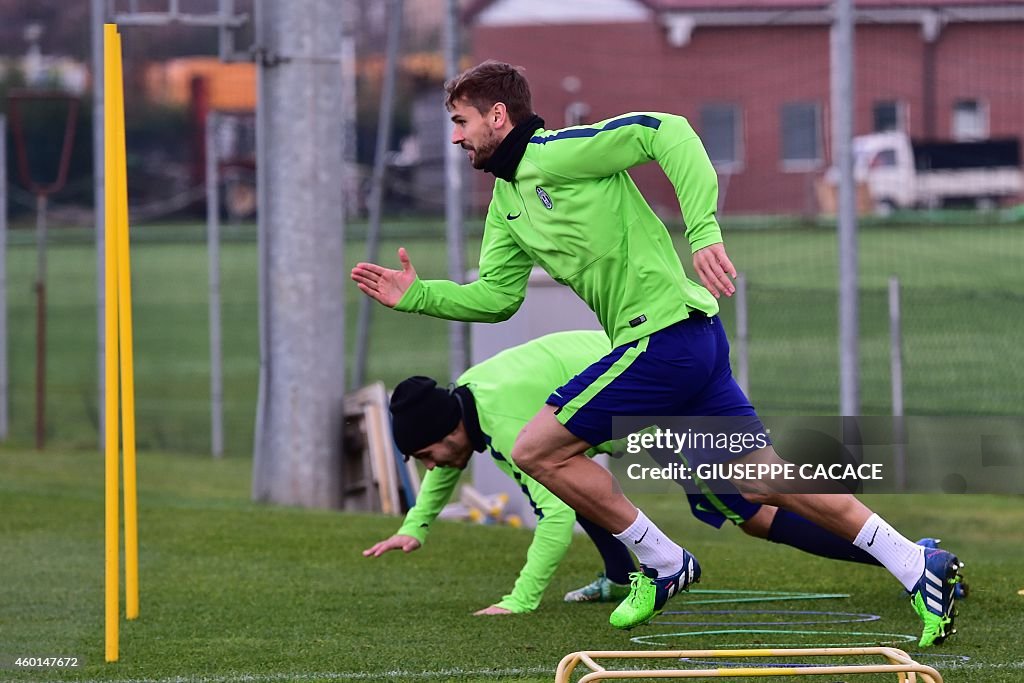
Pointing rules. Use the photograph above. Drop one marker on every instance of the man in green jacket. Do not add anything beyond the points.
(484, 413)
(490, 404)
(563, 199)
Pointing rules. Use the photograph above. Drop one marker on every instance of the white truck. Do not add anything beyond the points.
(903, 174)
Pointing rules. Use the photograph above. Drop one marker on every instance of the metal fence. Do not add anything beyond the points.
(937, 129)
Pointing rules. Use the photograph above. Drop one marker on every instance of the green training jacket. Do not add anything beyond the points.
(509, 389)
(573, 209)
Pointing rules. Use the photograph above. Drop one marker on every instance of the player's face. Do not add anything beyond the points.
(453, 450)
(474, 133)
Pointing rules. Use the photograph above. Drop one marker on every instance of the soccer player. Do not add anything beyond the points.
(563, 199)
(490, 404)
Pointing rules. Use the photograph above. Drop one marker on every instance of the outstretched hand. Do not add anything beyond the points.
(491, 611)
(397, 542)
(384, 284)
(714, 268)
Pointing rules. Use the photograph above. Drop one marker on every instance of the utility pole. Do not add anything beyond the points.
(846, 215)
(300, 131)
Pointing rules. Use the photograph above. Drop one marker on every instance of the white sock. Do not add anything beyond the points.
(652, 547)
(903, 558)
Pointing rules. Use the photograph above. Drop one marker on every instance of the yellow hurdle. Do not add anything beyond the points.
(118, 346)
(898, 663)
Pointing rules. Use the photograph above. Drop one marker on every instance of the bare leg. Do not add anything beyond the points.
(760, 524)
(554, 456)
(840, 513)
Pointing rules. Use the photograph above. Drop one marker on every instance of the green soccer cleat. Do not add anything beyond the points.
(933, 597)
(648, 593)
(601, 589)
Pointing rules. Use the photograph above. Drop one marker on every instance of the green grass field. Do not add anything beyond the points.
(238, 592)
(963, 306)
(232, 591)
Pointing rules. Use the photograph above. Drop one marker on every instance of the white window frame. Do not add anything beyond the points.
(736, 164)
(902, 118)
(809, 164)
(982, 122)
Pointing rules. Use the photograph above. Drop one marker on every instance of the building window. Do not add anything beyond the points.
(801, 136)
(970, 120)
(888, 115)
(721, 131)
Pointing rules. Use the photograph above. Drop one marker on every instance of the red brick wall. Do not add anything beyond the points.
(987, 62)
(632, 67)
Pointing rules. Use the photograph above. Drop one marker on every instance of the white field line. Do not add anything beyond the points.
(976, 665)
(427, 675)
(333, 676)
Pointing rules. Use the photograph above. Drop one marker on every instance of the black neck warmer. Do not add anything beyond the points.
(470, 419)
(506, 157)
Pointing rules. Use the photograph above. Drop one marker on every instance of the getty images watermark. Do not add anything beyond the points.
(822, 454)
(735, 444)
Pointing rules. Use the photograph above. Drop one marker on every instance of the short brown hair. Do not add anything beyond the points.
(488, 83)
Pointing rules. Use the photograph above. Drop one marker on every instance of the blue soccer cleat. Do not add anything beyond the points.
(648, 593)
(932, 597)
(961, 589)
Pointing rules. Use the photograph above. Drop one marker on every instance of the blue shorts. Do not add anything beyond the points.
(681, 371)
(714, 507)
(712, 502)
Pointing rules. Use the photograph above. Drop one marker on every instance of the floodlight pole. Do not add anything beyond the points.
(300, 167)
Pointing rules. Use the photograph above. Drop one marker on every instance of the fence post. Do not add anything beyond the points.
(213, 253)
(896, 373)
(4, 425)
(458, 332)
(742, 345)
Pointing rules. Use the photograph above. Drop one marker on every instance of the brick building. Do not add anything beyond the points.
(753, 77)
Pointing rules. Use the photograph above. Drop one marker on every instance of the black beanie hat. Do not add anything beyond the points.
(422, 414)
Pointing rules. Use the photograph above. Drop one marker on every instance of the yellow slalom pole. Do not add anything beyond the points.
(124, 317)
(111, 56)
